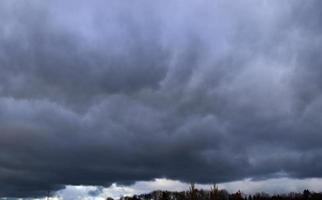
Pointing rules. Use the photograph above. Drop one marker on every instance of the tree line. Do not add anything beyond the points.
(218, 194)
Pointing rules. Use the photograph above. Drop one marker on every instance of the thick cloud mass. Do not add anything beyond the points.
(96, 92)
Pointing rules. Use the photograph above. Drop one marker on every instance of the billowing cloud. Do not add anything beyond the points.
(102, 92)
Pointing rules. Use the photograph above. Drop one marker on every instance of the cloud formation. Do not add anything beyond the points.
(99, 92)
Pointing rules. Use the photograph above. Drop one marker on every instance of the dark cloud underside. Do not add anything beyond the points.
(119, 91)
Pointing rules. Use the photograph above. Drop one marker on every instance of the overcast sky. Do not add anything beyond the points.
(109, 92)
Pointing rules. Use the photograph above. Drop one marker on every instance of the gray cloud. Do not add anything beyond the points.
(208, 91)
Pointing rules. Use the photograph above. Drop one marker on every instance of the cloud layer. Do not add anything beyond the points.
(99, 92)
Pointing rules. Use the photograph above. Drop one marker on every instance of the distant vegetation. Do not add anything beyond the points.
(215, 194)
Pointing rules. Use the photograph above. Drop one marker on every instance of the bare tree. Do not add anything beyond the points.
(193, 192)
(214, 192)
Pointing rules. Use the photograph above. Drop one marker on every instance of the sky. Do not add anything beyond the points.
(123, 96)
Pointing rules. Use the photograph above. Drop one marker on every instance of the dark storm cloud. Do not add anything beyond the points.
(121, 91)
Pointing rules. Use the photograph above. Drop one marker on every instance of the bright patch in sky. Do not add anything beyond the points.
(272, 186)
